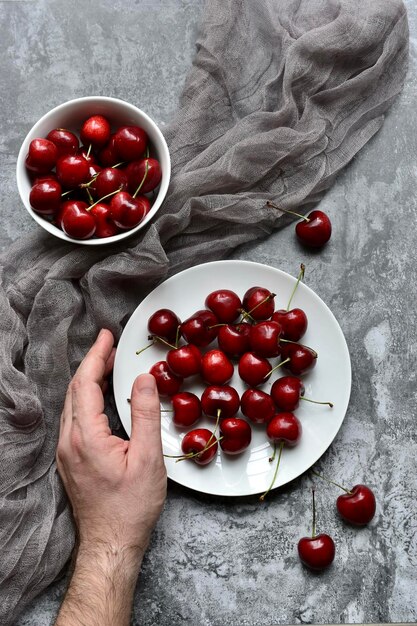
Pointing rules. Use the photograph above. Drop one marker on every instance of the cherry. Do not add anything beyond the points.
(216, 369)
(287, 393)
(42, 178)
(357, 506)
(136, 171)
(233, 339)
(302, 359)
(185, 361)
(223, 399)
(225, 304)
(284, 428)
(187, 409)
(258, 302)
(201, 328)
(167, 383)
(254, 369)
(76, 221)
(105, 227)
(42, 156)
(201, 446)
(257, 405)
(236, 435)
(45, 197)
(166, 324)
(72, 170)
(65, 141)
(314, 230)
(293, 322)
(264, 338)
(108, 155)
(95, 131)
(108, 180)
(127, 211)
(130, 142)
(316, 552)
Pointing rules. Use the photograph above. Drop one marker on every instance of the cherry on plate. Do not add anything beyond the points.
(185, 361)
(225, 304)
(167, 383)
(253, 369)
(220, 400)
(202, 444)
(216, 369)
(201, 328)
(166, 324)
(233, 339)
(257, 405)
(258, 302)
(236, 435)
(72, 170)
(186, 409)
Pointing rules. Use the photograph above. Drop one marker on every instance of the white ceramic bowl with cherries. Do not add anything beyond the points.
(132, 166)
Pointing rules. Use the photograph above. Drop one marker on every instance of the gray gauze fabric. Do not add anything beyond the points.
(282, 94)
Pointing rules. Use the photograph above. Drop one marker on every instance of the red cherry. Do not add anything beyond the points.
(233, 339)
(220, 398)
(225, 304)
(108, 155)
(302, 358)
(357, 506)
(286, 428)
(42, 156)
(135, 173)
(105, 227)
(65, 141)
(72, 170)
(76, 222)
(95, 131)
(44, 177)
(201, 328)
(127, 211)
(259, 302)
(294, 323)
(317, 552)
(216, 369)
(237, 435)
(257, 406)
(45, 197)
(185, 361)
(253, 369)
(130, 142)
(315, 230)
(286, 393)
(167, 383)
(109, 180)
(164, 323)
(196, 441)
(187, 409)
(264, 338)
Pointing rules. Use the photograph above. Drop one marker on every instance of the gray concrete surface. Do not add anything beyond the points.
(233, 563)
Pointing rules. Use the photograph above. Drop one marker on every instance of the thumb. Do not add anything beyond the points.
(146, 416)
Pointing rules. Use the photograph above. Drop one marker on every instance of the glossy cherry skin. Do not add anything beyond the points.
(284, 427)
(185, 361)
(195, 441)
(255, 297)
(237, 435)
(108, 180)
(135, 172)
(286, 393)
(220, 398)
(42, 156)
(257, 405)
(316, 232)
(65, 141)
(164, 323)
(130, 142)
(264, 338)
(254, 369)
(76, 222)
(225, 304)
(317, 552)
(108, 155)
(45, 197)
(127, 211)
(233, 339)
(95, 131)
(216, 369)
(167, 383)
(293, 323)
(357, 507)
(72, 170)
(187, 409)
(198, 330)
(302, 358)
(105, 227)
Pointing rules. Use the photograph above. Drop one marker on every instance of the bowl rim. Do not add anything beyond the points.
(54, 230)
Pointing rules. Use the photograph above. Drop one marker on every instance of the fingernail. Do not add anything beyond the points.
(100, 333)
(146, 384)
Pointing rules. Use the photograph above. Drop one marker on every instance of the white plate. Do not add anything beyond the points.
(330, 380)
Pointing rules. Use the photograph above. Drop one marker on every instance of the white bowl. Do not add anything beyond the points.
(71, 115)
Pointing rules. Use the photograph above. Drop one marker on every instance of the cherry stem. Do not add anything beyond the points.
(276, 367)
(330, 404)
(299, 344)
(157, 338)
(331, 482)
(313, 533)
(90, 197)
(267, 299)
(89, 150)
(142, 181)
(66, 193)
(191, 455)
(263, 496)
(216, 425)
(245, 315)
(90, 182)
(118, 164)
(274, 206)
(300, 277)
(147, 152)
(215, 326)
(103, 198)
(177, 336)
(146, 347)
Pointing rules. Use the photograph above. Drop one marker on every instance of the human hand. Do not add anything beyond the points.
(117, 488)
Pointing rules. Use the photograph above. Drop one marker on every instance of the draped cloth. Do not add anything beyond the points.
(280, 97)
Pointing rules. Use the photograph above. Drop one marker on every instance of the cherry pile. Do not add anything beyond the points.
(96, 189)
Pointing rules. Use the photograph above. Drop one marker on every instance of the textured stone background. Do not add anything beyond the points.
(228, 563)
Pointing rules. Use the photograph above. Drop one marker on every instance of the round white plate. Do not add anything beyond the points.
(330, 380)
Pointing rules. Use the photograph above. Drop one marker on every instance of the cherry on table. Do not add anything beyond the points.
(199, 445)
(146, 171)
(167, 383)
(186, 409)
(72, 170)
(76, 221)
(105, 227)
(236, 435)
(258, 303)
(224, 399)
(42, 156)
(316, 552)
(225, 304)
(264, 338)
(65, 141)
(95, 131)
(45, 197)
(130, 142)
(257, 405)
(288, 391)
(166, 324)
(185, 361)
(127, 211)
(201, 328)
(216, 369)
(108, 180)
(314, 230)
(233, 339)
(253, 369)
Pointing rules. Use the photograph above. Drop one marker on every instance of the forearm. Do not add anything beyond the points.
(101, 588)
